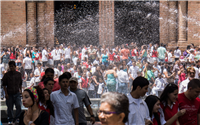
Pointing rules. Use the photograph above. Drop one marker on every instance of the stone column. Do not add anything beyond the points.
(172, 21)
(31, 23)
(49, 23)
(106, 22)
(41, 23)
(164, 24)
(182, 22)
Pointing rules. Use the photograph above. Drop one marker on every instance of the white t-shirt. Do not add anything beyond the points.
(160, 84)
(32, 81)
(100, 88)
(67, 53)
(177, 53)
(27, 63)
(196, 73)
(133, 71)
(83, 53)
(75, 60)
(44, 54)
(91, 87)
(169, 57)
(191, 58)
(56, 54)
(57, 72)
(37, 72)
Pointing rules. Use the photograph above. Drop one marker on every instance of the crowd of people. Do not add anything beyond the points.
(62, 80)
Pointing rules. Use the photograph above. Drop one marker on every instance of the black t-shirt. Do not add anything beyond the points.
(98, 75)
(43, 118)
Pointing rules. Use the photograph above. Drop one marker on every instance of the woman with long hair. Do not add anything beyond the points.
(144, 53)
(47, 104)
(12, 54)
(177, 53)
(156, 114)
(169, 103)
(34, 115)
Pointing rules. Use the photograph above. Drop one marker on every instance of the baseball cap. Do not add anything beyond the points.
(73, 79)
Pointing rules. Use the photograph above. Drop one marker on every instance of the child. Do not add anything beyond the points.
(18, 61)
(158, 86)
(100, 88)
(91, 88)
(24, 78)
(32, 81)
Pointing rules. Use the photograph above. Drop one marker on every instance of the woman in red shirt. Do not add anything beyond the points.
(12, 54)
(169, 104)
(47, 104)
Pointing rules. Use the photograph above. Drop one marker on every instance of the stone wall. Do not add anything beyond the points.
(179, 23)
(13, 23)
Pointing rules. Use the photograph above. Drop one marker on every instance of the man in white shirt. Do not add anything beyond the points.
(123, 81)
(170, 56)
(83, 52)
(158, 86)
(184, 84)
(27, 65)
(139, 112)
(191, 57)
(196, 71)
(67, 54)
(133, 72)
(44, 56)
(157, 69)
(57, 55)
(37, 73)
(64, 101)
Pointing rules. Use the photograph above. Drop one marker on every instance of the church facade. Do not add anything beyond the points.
(32, 22)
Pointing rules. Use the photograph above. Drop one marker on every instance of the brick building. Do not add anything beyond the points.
(32, 23)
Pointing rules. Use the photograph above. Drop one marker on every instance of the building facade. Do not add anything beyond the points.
(32, 23)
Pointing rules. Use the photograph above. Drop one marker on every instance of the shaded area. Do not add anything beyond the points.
(136, 22)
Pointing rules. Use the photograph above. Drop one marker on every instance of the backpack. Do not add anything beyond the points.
(185, 53)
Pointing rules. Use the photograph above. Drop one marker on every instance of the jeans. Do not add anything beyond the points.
(56, 62)
(13, 99)
(44, 63)
(92, 93)
(67, 60)
(144, 59)
(105, 64)
(176, 81)
(28, 71)
(161, 60)
(122, 88)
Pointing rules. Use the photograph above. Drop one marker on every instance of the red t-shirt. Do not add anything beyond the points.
(12, 56)
(111, 56)
(125, 53)
(84, 82)
(154, 53)
(55, 87)
(168, 112)
(86, 64)
(50, 56)
(192, 110)
(133, 52)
